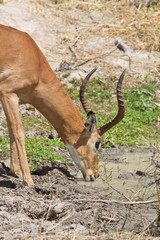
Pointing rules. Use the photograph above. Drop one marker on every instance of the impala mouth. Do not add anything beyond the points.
(90, 178)
(87, 173)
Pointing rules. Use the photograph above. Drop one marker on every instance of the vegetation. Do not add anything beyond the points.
(138, 128)
(139, 124)
(39, 149)
(140, 28)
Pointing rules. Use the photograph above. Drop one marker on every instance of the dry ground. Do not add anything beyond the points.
(59, 208)
(77, 36)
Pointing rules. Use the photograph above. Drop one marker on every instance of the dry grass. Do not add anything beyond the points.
(138, 25)
(124, 236)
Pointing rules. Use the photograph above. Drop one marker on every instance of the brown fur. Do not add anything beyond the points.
(25, 75)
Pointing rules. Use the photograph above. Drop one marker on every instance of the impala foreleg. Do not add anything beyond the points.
(14, 164)
(19, 163)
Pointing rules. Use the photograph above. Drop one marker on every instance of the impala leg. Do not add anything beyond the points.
(19, 163)
(14, 165)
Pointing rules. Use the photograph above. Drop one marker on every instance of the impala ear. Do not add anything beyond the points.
(90, 123)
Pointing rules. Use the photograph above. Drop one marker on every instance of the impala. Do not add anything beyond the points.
(26, 76)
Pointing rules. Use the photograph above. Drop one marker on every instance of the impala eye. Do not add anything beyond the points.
(97, 145)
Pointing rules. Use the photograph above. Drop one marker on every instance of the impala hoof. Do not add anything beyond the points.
(28, 182)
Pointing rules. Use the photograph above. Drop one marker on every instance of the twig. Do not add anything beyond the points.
(98, 56)
(60, 222)
(73, 52)
(49, 210)
(124, 48)
(135, 194)
(115, 201)
(121, 46)
(119, 192)
(88, 3)
(149, 225)
(84, 62)
(125, 220)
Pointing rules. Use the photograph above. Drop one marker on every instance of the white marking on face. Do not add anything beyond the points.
(74, 155)
(5, 74)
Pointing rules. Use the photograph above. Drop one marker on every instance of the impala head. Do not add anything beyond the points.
(85, 151)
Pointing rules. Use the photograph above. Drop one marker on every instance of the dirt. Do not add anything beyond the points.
(61, 206)
(75, 37)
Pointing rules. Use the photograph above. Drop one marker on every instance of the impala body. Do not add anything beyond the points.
(25, 75)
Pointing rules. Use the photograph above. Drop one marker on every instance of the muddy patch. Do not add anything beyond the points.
(127, 169)
(61, 204)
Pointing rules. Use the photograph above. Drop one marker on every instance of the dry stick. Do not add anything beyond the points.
(89, 3)
(114, 201)
(148, 226)
(63, 220)
(124, 48)
(49, 209)
(125, 220)
(73, 52)
(75, 42)
(98, 56)
(122, 194)
(135, 194)
(71, 48)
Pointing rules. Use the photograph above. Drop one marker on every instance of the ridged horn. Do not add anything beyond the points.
(82, 91)
(121, 109)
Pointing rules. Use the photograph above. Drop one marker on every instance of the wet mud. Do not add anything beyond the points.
(63, 205)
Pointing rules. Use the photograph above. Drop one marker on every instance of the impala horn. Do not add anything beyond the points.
(82, 91)
(121, 109)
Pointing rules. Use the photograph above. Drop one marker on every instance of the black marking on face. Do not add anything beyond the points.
(97, 145)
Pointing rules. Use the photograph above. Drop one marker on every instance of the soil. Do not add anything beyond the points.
(75, 37)
(60, 206)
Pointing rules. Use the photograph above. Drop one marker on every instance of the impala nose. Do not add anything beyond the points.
(90, 178)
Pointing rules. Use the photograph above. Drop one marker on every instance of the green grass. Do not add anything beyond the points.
(138, 128)
(139, 125)
(38, 149)
(4, 145)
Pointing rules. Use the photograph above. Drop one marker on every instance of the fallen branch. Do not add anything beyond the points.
(63, 220)
(73, 52)
(115, 201)
(124, 48)
(98, 56)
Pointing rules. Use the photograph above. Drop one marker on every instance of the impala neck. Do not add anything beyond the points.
(51, 99)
